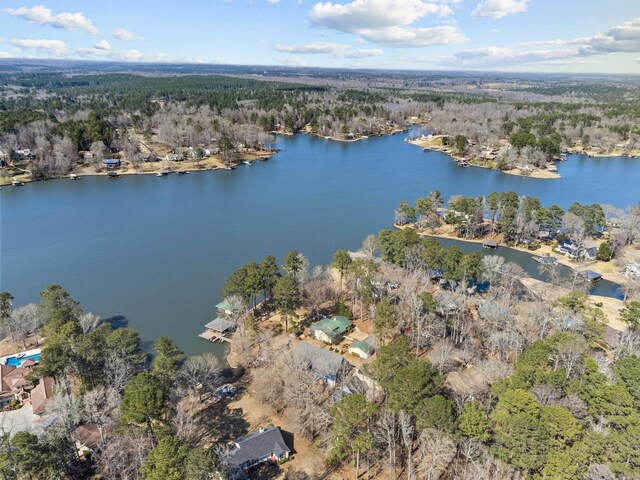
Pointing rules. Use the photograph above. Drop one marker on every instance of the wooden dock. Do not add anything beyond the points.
(212, 337)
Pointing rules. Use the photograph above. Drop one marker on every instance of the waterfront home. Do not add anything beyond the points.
(218, 329)
(577, 252)
(174, 157)
(363, 348)
(264, 445)
(633, 269)
(41, 395)
(225, 308)
(547, 234)
(14, 384)
(111, 163)
(331, 330)
(148, 157)
(327, 366)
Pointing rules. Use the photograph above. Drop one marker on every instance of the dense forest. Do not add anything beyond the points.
(58, 115)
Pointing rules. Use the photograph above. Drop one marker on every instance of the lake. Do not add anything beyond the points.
(156, 250)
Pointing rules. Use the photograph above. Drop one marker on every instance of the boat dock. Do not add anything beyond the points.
(218, 329)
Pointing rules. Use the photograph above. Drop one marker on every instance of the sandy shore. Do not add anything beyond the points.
(615, 152)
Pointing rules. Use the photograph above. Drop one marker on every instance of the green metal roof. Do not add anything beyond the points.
(332, 326)
(224, 305)
(364, 346)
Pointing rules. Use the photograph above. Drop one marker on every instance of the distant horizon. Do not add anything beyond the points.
(52, 62)
(422, 35)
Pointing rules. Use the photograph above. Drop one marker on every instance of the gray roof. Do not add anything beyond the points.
(258, 445)
(220, 325)
(321, 361)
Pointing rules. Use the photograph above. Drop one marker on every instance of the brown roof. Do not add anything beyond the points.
(88, 435)
(12, 377)
(612, 337)
(40, 394)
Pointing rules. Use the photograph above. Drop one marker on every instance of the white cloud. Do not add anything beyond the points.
(502, 55)
(108, 53)
(125, 35)
(499, 8)
(387, 22)
(5, 55)
(623, 38)
(103, 45)
(102, 50)
(415, 37)
(371, 14)
(341, 50)
(53, 48)
(44, 16)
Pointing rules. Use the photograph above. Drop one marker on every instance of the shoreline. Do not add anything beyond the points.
(606, 269)
(211, 163)
(435, 144)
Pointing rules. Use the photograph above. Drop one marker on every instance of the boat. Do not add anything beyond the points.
(73, 176)
(229, 168)
(16, 183)
(426, 149)
(545, 260)
(113, 175)
(182, 172)
(247, 162)
(162, 174)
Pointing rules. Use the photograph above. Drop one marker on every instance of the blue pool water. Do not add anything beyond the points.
(16, 362)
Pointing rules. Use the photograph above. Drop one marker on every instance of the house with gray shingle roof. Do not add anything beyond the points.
(326, 365)
(256, 448)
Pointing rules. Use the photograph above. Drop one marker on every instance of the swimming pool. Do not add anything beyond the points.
(16, 361)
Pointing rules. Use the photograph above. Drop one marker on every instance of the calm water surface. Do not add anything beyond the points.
(156, 250)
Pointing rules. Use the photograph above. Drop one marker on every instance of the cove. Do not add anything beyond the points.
(153, 252)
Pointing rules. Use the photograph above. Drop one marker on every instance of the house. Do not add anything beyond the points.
(363, 348)
(547, 234)
(446, 303)
(612, 337)
(87, 437)
(225, 308)
(256, 448)
(633, 269)
(326, 365)
(331, 330)
(573, 250)
(174, 157)
(111, 163)
(41, 394)
(14, 385)
(589, 253)
(148, 157)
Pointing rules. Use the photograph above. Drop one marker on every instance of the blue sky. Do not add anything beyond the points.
(513, 35)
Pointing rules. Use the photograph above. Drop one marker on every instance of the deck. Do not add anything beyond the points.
(212, 336)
